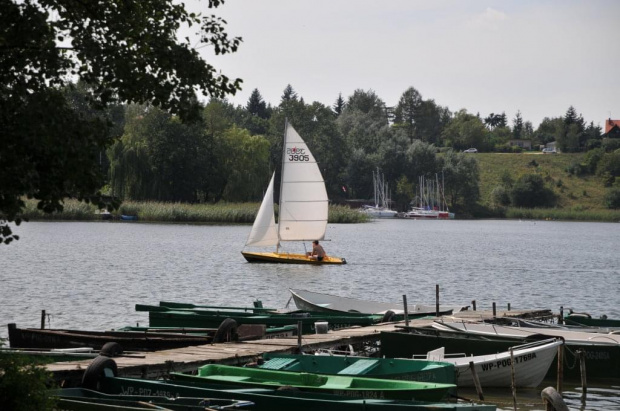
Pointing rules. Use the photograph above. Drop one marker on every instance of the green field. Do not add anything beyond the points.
(579, 198)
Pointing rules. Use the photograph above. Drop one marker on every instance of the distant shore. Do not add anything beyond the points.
(245, 213)
(220, 213)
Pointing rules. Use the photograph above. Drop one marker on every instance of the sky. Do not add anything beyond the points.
(537, 57)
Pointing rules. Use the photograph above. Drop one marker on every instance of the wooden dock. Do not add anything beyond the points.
(160, 363)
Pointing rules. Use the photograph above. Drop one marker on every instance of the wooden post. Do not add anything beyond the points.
(476, 380)
(494, 310)
(406, 310)
(473, 304)
(43, 319)
(512, 380)
(436, 300)
(299, 330)
(560, 382)
(561, 317)
(582, 367)
(508, 306)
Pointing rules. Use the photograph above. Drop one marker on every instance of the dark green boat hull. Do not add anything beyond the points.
(274, 399)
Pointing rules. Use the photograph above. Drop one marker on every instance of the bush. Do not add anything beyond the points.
(23, 385)
(530, 191)
(500, 196)
(612, 198)
(609, 163)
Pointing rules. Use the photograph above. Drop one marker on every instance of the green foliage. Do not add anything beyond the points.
(612, 198)
(23, 384)
(530, 191)
(465, 131)
(500, 197)
(460, 174)
(128, 52)
(609, 164)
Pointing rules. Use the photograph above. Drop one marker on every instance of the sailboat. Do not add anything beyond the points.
(381, 208)
(303, 207)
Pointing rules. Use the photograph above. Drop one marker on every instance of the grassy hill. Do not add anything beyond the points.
(578, 197)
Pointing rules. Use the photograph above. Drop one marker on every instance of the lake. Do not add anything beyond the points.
(89, 275)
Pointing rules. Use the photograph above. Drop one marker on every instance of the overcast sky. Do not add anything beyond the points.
(539, 57)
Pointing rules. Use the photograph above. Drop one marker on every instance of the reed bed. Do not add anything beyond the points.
(573, 214)
(222, 213)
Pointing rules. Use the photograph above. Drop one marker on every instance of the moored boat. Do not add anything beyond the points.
(80, 399)
(275, 398)
(173, 318)
(388, 368)
(320, 302)
(601, 351)
(585, 319)
(129, 340)
(334, 384)
(531, 363)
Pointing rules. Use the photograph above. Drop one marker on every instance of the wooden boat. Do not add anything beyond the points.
(277, 398)
(129, 340)
(80, 399)
(602, 351)
(53, 354)
(139, 338)
(584, 319)
(531, 363)
(193, 319)
(320, 302)
(334, 384)
(303, 208)
(388, 368)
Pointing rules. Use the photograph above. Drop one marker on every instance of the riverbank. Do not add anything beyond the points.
(220, 213)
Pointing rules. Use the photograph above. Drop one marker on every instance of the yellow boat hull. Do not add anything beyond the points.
(286, 258)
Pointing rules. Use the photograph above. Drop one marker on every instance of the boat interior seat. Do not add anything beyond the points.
(359, 367)
(278, 363)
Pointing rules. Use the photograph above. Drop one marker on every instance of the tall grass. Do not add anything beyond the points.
(574, 214)
(224, 213)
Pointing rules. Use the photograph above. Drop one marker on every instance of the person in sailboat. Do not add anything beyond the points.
(318, 253)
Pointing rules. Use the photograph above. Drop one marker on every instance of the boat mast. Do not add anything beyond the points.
(280, 206)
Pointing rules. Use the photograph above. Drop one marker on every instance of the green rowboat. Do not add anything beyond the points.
(387, 368)
(334, 384)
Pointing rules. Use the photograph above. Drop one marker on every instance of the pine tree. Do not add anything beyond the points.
(289, 94)
(256, 105)
(517, 125)
(339, 105)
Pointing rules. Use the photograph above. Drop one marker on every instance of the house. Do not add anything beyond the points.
(612, 128)
(524, 144)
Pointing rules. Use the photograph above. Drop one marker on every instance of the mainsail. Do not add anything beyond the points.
(303, 197)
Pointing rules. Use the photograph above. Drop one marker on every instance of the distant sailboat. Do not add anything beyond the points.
(381, 208)
(431, 201)
(303, 207)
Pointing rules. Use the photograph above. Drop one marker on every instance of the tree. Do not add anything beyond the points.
(529, 191)
(125, 52)
(407, 110)
(289, 94)
(339, 105)
(461, 179)
(465, 131)
(256, 106)
(517, 126)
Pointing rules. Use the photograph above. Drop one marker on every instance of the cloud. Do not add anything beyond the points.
(491, 19)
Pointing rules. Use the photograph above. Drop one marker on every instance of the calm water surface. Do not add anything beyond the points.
(90, 275)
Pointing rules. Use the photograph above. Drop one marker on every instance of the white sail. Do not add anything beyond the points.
(303, 197)
(264, 231)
